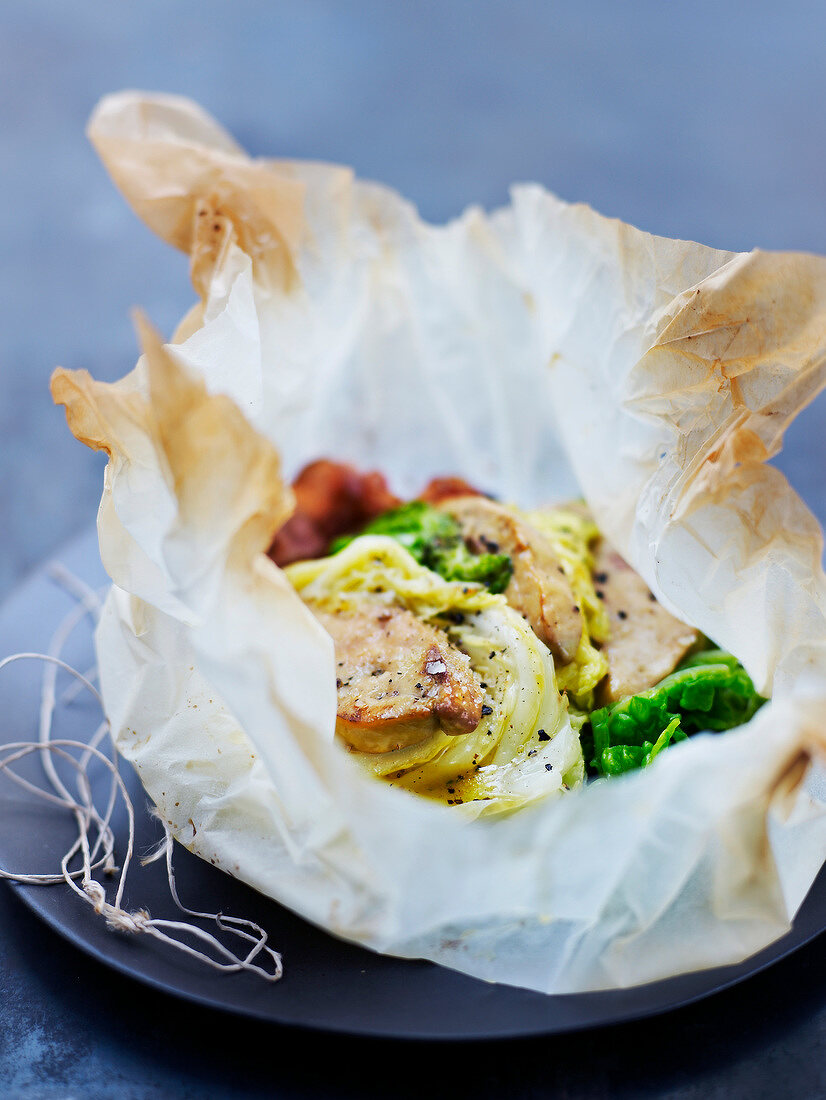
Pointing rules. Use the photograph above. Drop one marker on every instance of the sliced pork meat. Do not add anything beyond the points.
(646, 641)
(399, 679)
(538, 588)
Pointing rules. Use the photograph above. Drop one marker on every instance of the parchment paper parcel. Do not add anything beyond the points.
(538, 351)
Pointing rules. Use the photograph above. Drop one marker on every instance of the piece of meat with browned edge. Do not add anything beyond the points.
(538, 588)
(646, 641)
(399, 679)
(443, 488)
(331, 499)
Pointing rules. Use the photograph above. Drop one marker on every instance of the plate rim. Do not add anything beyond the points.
(28, 893)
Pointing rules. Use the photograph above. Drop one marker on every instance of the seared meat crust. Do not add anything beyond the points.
(399, 679)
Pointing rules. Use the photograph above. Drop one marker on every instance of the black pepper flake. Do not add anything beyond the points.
(601, 578)
(338, 683)
(483, 684)
(532, 752)
(486, 710)
(451, 790)
(418, 687)
(576, 609)
(652, 597)
(492, 654)
(377, 672)
(622, 614)
(600, 594)
(543, 736)
(549, 767)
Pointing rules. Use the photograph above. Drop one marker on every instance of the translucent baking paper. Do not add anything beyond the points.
(540, 352)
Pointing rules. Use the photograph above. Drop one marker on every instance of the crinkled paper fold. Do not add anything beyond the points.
(538, 351)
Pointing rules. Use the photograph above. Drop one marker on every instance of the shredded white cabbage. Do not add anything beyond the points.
(526, 747)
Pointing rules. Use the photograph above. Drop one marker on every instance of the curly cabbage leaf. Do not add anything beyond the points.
(709, 691)
(526, 746)
(571, 535)
(435, 540)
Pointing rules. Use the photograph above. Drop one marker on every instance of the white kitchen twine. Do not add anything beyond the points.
(95, 841)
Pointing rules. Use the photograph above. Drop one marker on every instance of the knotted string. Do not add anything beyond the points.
(94, 845)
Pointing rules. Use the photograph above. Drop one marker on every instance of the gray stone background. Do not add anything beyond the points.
(700, 120)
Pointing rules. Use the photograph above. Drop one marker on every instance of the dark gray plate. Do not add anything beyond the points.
(328, 984)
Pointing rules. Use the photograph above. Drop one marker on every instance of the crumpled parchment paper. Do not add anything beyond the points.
(538, 351)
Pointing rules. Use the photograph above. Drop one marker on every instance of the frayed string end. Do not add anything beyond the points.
(95, 841)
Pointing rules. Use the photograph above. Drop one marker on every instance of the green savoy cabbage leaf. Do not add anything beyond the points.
(709, 691)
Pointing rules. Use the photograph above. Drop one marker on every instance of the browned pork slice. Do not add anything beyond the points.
(399, 679)
(646, 641)
(538, 589)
